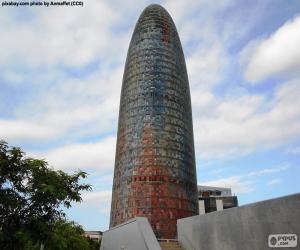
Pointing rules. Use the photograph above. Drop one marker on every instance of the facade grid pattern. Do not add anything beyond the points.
(155, 174)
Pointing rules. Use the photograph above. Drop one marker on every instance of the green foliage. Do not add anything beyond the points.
(94, 245)
(31, 198)
(67, 235)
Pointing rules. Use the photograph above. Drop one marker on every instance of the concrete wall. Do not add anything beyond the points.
(246, 227)
(135, 234)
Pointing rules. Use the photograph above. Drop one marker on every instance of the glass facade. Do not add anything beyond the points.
(155, 174)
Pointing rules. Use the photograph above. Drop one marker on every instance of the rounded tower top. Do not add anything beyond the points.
(156, 31)
(155, 6)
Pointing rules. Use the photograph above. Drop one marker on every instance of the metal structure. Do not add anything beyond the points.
(155, 174)
(215, 199)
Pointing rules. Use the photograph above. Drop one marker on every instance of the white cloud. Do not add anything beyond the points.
(245, 183)
(12, 130)
(204, 65)
(59, 35)
(273, 170)
(240, 125)
(278, 54)
(86, 105)
(98, 200)
(223, 126)
(202, 42)
(179, 8)
(293, 150)
(184, 10)
(274, 182)
(237, 185)
(70, 107)
(98, 197)
(98, 155)
(55, 42)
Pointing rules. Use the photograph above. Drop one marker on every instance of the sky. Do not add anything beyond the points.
(60, 81)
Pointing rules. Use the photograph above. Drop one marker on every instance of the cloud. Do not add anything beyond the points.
(86, 104)
(293, 150)
(182, 9)
(237, 185)
(238, 125)
(274, 182)
(98, 155)
(71, 108)
(276, 55)
(202, 42)
(99, 197)
(277, 169)
(99, 201)
(12, 130)
(245, 183)
(204, 65)
(71, 70)
(55, 36)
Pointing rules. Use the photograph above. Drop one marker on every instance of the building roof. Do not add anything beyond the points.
(93, 232)
(224, 191)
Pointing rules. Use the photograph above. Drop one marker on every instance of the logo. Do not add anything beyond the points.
(282, 240)
(273, 241)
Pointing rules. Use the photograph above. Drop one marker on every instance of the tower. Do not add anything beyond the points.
(155, 174)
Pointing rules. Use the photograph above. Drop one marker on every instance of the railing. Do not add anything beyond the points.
(167, 240)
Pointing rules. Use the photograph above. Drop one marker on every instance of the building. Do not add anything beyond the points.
(215, 199)
(155, 173)
(94, 235)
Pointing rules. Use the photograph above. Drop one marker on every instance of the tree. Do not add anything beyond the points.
(68, 235)
(32, 196)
